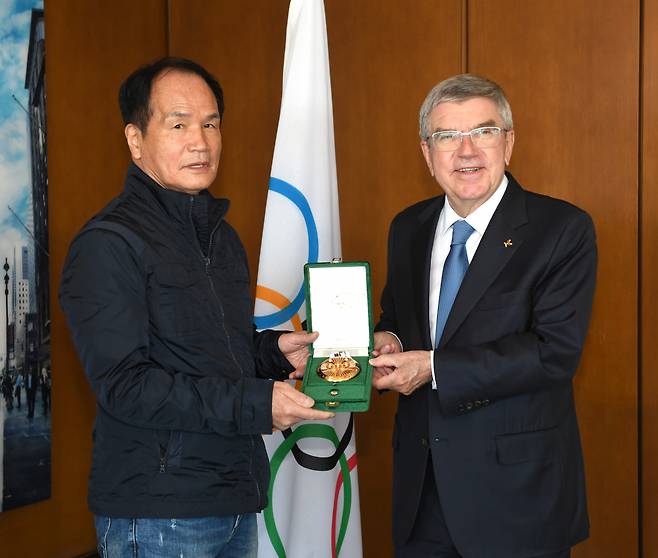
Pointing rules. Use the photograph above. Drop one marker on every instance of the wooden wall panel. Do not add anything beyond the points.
(649, 281)
(572, 73)
(380, 75)
(90, 47)
(242, 45)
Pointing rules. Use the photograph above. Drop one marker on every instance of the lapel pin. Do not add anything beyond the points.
(507, 243)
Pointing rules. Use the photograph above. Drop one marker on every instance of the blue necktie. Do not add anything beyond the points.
(454, 269)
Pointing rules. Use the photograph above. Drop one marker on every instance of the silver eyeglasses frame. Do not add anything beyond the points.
(479, 136)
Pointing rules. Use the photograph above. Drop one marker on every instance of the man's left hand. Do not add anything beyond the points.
(410, 370)
(294, 346)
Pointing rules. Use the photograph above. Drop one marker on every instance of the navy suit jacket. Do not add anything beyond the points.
(501, 429)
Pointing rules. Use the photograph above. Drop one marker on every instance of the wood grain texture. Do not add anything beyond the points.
(242, 45)
(649, 281)
(572, 73)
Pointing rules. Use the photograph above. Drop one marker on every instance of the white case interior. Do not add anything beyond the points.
(339, 306)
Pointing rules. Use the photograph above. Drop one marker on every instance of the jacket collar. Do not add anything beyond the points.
(176, 205)
(490, 258)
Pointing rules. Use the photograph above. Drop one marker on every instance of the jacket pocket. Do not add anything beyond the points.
(175, 275)
(231, 287)
(540, 445)
(177, 300)
(170, 449)
(166, 479)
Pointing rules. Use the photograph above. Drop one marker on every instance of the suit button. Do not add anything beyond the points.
(486, 402)
(477, 404)
(460, 408)
(469, 406)
(423, 441)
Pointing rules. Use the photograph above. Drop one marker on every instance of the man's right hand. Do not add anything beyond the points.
(290, 406)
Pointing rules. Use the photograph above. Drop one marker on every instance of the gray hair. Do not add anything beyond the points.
(461, 88)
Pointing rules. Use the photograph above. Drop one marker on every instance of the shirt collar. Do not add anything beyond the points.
(479, 219)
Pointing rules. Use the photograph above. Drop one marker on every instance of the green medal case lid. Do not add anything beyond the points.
(338, 306)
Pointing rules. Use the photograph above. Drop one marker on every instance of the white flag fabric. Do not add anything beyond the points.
(312, 514)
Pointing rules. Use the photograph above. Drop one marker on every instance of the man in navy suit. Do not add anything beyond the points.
(484, 316)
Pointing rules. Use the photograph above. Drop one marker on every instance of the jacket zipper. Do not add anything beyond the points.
(163, 454)
(207, 261)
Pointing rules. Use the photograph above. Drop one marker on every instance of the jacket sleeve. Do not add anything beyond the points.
(270, 361)
(103, 295)
(548, 352)
(388, 319)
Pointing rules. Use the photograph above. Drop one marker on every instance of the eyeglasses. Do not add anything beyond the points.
(450, 140)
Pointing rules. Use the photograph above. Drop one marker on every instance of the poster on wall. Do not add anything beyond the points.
(25, 371)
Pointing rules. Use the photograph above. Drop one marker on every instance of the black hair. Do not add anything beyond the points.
(135, 91)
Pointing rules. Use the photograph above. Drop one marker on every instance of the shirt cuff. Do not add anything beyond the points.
(400, 342)
(434, 386)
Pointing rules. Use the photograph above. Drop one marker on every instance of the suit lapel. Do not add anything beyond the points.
(499, 243)
(423, 240)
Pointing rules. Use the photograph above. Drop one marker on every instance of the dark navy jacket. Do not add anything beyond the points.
(501, 429)
(166, 339)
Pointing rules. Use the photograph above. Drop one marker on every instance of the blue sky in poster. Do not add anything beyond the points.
(15, 176)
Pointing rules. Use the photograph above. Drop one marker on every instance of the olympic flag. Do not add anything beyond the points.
(311, 513)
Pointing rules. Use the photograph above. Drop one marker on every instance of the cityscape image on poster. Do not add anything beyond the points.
(25, 370)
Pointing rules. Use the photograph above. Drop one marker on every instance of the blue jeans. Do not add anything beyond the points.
(233, 536)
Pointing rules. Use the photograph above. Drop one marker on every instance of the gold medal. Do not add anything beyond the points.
(339, 367)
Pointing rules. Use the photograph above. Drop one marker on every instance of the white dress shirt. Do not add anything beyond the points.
(479, 220)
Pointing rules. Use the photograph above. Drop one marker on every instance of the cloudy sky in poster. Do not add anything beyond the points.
(15, 174)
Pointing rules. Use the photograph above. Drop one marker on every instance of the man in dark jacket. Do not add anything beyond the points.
(156, 292)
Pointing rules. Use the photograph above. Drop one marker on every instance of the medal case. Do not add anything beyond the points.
(338, 305)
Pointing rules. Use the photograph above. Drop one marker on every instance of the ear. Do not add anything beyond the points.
(134, 139)
(509, 145)
(425, 148)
